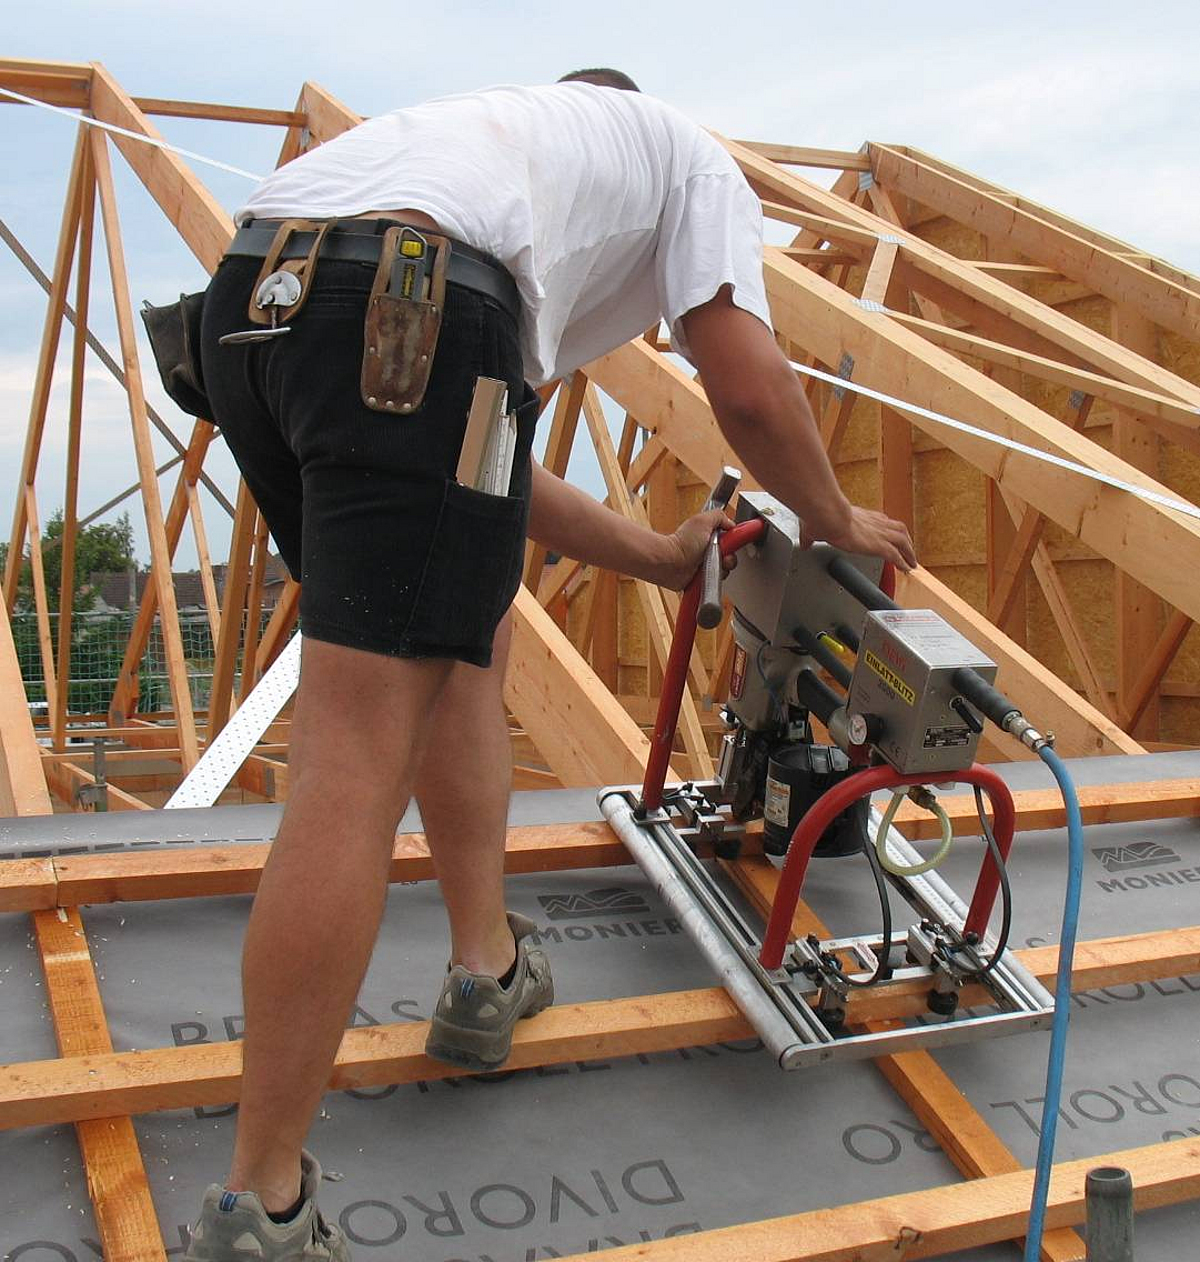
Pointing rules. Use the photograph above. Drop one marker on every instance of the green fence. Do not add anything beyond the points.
(98, 643)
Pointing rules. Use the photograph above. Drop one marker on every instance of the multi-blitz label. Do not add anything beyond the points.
(889, 677)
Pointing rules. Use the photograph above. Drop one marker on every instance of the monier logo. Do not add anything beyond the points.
(613, 901)
(1140, 854)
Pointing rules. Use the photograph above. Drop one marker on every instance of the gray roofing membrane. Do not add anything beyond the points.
(572, 1158)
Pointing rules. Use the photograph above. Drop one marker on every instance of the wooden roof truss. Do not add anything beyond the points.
(908, 276)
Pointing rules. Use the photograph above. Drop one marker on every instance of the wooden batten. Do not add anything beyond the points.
(116, 1177)
(77, 1087)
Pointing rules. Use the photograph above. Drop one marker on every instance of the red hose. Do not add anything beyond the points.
(675, 671)
(863, 783)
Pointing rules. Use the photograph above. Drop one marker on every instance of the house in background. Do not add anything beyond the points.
(121, 591)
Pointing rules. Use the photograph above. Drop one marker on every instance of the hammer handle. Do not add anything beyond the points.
(709, 613)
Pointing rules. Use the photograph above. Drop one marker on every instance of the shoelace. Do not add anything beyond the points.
(323, 1232)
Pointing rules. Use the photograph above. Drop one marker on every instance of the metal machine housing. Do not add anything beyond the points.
(779, 585)
(903, 684)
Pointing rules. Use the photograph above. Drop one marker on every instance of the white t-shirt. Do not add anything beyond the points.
(610, 208)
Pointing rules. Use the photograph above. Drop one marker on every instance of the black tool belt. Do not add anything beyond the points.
(360, 241)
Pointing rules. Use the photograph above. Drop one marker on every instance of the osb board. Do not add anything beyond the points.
(948, 499)
(1179, 720)
(955, 238)
(1180, 470)
(860, 439)
(1093, 311)
(1089, 587)
(967, 581)
(859, 481)
(1180, 356)
(1187, 661)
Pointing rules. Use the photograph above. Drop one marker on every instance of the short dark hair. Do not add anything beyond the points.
(602, 77)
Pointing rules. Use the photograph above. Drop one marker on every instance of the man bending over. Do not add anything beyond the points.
(578, 215)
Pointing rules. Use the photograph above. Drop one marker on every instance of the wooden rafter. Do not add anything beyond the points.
(137, 876)
(160, 552)
(1172, 303)
(1172, 419)
(116, 1177)
(1030, 525)
(1141, 538)
(652, 599)
(64, 257)
(66, 593)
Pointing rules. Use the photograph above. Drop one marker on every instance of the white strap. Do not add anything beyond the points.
(211, 776)
(1142, 492)
(133, 135)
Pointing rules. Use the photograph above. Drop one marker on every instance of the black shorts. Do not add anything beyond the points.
(395, 556)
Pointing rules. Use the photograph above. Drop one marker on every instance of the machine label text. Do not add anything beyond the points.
(889, 677)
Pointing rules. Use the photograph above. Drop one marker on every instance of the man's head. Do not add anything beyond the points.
(602, 77)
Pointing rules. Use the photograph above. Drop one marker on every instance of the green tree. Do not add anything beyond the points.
(102, 548)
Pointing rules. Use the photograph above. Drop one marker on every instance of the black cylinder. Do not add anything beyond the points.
(816, 695)
(983, 696)
(827, 658)
(797, 775)
(1109, 1193)
(859, 585)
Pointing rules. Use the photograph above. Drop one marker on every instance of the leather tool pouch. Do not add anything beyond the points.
(174, 333)
(404, 318)
(303, 269)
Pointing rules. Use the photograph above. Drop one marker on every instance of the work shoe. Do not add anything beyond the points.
(233, 1227)
(474, 1016)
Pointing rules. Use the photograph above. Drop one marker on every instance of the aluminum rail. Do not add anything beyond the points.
(775, 1004)
(737, 976)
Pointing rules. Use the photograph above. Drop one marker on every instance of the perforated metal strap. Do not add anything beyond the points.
(211, 776)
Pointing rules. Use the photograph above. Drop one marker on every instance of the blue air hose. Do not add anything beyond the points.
(1062, 1005)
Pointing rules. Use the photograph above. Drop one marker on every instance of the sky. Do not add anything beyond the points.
(1092, 109)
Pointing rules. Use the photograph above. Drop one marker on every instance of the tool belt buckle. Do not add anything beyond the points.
(281, 288)
(404, 319)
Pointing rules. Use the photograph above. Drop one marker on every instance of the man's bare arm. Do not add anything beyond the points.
(569, 521)
(763, 412)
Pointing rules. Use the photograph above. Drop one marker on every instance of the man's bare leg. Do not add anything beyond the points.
(358, 727)
(462, 789)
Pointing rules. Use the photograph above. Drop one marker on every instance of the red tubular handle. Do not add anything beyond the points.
(887, 580)
(675, 672)
(861, 784)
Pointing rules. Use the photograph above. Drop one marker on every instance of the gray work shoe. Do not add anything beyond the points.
(234, 1227)
(474, 1016)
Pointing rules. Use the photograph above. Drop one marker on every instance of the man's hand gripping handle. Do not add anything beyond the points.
(709, 614)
